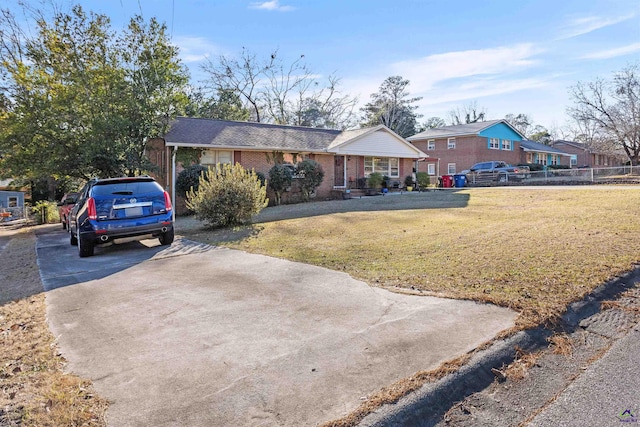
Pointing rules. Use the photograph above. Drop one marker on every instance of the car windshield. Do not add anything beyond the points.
(126, 188)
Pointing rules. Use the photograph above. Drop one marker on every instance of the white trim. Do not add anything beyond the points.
(338, 148)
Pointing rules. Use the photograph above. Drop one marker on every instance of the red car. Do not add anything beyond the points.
(64, 207)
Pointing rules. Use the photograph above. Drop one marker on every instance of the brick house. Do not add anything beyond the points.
(583, 156)
(345, 156)
(459, 147)
(541, 154)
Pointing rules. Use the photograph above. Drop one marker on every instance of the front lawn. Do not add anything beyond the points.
(534, 250)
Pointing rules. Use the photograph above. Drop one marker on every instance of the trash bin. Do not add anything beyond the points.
(447, 181)
(460, 180)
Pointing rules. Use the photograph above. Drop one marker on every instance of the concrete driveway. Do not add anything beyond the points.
(202, 336)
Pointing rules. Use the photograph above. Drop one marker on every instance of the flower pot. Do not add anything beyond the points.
(409, 188)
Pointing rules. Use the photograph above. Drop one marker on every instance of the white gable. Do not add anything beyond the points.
(379, 143)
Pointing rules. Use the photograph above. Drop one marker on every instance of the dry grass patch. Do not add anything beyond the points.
(34, 389)
(533, 250)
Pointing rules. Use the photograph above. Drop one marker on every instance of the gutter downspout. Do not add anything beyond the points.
(173, 182)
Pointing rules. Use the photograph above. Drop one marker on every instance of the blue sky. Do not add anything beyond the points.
(513, 56)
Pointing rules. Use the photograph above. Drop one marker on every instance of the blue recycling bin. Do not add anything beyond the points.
(460, 180)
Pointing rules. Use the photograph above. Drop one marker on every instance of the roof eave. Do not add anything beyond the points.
(243, 148)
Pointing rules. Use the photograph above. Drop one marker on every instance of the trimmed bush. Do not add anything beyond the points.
(374, 181)
(408, 181)
(280, 178)
(189, 178)
(227, 195)
(423, 179)
(311, 176)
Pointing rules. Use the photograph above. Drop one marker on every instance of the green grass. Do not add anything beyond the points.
(534, 250)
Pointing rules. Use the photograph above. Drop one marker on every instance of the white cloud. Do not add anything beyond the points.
(579, 26)
(447, 78)
(424, 73)
(194, 49)
(271, 5)
(613, 53)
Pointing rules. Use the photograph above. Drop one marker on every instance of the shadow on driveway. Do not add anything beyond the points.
(61, 266)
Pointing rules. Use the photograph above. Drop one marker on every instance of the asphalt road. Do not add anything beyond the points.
(606, 394)
(202, 336)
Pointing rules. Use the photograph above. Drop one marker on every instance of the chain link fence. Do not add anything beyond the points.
(550, 176)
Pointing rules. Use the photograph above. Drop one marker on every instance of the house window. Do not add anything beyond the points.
(383, 165)
(529, 157)
(506, 144)
(451, 144)
(431, 145)
(13, 202)
(451, 168)
(214, 157)
(554, 159)
(494, 144)
(431, 169)
(394, 167)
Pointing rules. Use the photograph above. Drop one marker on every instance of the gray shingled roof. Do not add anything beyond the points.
(536, 146)
(455, 130)
(187, 131)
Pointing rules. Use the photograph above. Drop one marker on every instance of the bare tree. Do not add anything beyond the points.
(468, 113)
(610, 109)
(281, 93)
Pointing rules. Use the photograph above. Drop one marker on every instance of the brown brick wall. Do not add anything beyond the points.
(469, 151)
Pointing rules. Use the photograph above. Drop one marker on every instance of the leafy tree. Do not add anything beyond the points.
(612, 109)
(540, 134)
(432, 123)
(83, 99)
(522, 122)
(226, 105)
(391, 107)
(227, 195)
(311, 176)
(156, 83)
(280, 178)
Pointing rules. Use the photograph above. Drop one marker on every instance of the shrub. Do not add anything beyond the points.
(280, 178)
(189, 179)
(423, 179)
(227, 195)
(559, 167)
(46, 212)
(375, 180)
(534, 167)
(408, 181)
(311, 176)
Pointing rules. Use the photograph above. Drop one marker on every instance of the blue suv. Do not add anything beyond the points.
(117, 208)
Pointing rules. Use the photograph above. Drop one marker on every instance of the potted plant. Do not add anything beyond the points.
(408, 182)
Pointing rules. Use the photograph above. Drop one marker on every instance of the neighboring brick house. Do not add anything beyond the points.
(583, 156)
(461, 146)
(541, 154)
(345, 156)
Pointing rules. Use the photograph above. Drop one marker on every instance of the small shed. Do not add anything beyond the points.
(11, 199)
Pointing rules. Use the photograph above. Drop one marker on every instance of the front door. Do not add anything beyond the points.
(338, 172)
